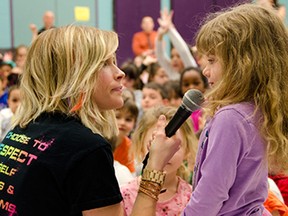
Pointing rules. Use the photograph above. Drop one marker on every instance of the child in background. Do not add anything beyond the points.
(153, 94)
(178, 191)
(275, 206)
(281, 181)
(192, 78)
(122, 173)
(174, 93)
(6, 114)
(3, 95)
(247, 129)
(181, 56)
(5, 71)
(132, 81)
(126, 119)
(157, 74)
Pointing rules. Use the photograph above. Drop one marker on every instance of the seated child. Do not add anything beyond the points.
(6, 114)
(178, 190)
(126, 119)
(153, 94)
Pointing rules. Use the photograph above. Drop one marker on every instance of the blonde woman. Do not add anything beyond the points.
(247, 69)
(56, 160)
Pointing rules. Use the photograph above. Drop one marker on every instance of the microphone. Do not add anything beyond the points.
(191, 102)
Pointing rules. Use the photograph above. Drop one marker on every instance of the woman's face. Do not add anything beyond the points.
(108, 89)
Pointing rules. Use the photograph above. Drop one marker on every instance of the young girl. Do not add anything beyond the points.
(181, 56)
(192, 78)
(157, 74)
(246, 50)
(6, 114)
(178, 191)
(174, 93)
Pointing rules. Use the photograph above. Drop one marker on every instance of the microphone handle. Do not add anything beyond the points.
(178, 119)
(174, 124)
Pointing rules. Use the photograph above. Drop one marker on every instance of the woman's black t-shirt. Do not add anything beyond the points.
(55, 166)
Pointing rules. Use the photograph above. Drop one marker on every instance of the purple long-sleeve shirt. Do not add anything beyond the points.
(230, 175)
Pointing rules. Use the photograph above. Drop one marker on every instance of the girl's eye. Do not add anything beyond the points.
(210, 61)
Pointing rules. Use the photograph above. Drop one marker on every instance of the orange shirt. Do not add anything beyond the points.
(123, 156)
(273, 203)
(140, 42)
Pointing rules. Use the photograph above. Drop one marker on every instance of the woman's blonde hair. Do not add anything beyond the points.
(61, 73)
(148, 120)
(252, 45)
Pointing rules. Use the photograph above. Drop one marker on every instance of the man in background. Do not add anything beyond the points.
(143, 42)
(48, 22)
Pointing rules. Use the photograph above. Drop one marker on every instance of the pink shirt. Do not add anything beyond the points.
(172, 207)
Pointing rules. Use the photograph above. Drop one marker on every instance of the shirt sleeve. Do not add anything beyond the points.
(92, 182)
(164, 60)
(182, 48)
(219, 168)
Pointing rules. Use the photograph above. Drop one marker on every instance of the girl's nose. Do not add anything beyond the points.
(205, 72)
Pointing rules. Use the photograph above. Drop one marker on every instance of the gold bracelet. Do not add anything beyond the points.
(151, 189)
(148, 193)
(152, 186)
(154, 176)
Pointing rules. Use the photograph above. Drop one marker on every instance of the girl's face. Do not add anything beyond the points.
(21, 57)
(5, 71)
(108, 88)
(128, 83)
(125, 122)
(160, 77)
(151, 98)
(192, 80)
(177, 160)
(175, 101)
(14, 100)
(213, 70)
(176, 61)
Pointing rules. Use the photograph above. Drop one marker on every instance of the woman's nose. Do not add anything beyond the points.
(120, 74)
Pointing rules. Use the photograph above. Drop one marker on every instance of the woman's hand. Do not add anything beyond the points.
(162, 148)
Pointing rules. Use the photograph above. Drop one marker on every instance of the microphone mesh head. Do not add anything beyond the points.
(192, 99)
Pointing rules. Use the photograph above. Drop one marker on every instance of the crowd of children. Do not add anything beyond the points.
(11, 66)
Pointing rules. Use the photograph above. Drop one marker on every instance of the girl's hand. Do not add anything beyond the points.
(165, 22)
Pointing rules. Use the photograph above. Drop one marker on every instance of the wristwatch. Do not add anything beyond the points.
(154, 176)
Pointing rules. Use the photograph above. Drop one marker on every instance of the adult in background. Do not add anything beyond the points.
(48, 22)
(143, 42)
